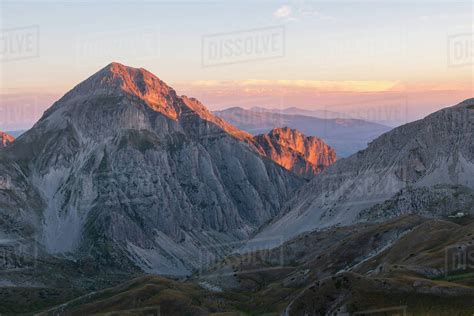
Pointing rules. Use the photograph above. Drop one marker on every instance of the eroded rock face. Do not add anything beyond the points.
(5, 139)
(132, 175)
(306, 156)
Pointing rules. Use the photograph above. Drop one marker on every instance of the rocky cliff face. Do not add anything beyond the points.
(5, 139)
(437, 150)
(306, 156)
(128, 174)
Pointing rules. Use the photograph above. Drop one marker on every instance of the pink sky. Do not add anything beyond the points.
(393, 103)
(378, 60)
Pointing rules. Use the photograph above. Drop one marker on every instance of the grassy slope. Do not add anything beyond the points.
(347, 268)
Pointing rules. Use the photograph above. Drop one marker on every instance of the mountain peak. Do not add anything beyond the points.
(135, 81)
(122, 86)
(129, 76)
(117, 79)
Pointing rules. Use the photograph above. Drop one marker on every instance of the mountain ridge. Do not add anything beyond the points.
(432, 151)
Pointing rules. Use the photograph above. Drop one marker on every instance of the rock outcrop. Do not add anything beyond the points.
(306, 156)
(5, 139)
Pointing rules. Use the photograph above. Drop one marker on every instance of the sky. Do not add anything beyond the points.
(386, 61)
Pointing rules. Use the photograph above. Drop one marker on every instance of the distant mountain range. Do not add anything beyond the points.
(16, 134)
(324, 114)
(346, 136)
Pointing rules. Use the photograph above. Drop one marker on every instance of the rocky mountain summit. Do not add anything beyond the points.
(435, 151)
(5, 139)
(123, 172)
(291, 149)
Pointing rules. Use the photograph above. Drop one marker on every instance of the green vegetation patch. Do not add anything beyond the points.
(455, 277)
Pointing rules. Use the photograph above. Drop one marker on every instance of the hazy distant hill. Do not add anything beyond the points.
(324, 114)
(16, 133)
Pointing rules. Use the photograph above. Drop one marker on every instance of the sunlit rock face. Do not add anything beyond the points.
(5, 139)
(306, 156)
(130, 175)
